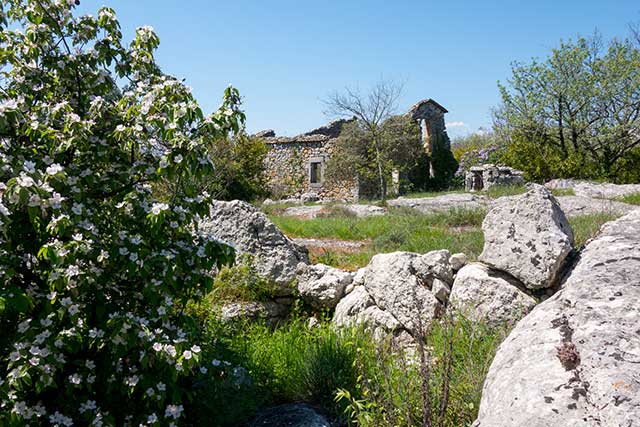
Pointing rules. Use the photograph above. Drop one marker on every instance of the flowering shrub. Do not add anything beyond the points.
(95, 271)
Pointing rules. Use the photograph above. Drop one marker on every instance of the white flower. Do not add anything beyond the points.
(123, 251)
(77, 208)
(89, 405)
(29, 166)
(161, 387)
(75, 379)
(173, 411)
(120, 128)
(25, 181)
(159, 207)
(56, 201)
(187, 354)
(10, 104)
(215, 362)
(178, 158)
(203, 370)
(14, 356)
(195, 349)
(133, 257)
(54, 169)
(171, 350)
(152, 418)
(157, 346)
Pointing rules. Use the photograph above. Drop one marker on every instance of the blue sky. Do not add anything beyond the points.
(286, 56)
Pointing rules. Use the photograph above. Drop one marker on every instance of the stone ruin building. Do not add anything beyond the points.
(296, 165)
(486, 176)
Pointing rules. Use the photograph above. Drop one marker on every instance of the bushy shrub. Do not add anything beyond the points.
(238, 169)
(94, 272)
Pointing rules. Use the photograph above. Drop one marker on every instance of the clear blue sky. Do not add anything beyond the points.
(285, 56)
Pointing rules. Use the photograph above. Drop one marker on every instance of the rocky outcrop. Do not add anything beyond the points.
(529, 237)
(401, 282)
(594, 189)
(249, 231)
(396, 292)
(444, 203)
(290, 415)
(487, 295)
(271, 312)
(322, 286)
(358, 308)
(573, 206)
(457, 261)
(575, 359)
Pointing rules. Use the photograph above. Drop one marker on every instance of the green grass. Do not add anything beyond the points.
(295, 363)
(586, 227)
(505, 190)
(632, 199)
(563, 192)
(400, 230)
(423, 194)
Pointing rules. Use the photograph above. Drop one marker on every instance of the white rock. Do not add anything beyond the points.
(400, 284)
(322, 286)
(457, 261)
(350, 307)
(270, 312)
(441, 290)
(529, 237)
(575, 359)
(358, 279)
(249, 231)
(486, 295)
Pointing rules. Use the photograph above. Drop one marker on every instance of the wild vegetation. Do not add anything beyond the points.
(403, 229)
(94, 270)
(351, 377)
(573, 114)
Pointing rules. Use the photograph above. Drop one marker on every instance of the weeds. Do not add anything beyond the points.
(632, 199)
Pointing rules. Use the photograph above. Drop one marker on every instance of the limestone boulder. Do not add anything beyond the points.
(322, 286)
(487, 295)
(529, 237)
(444, 203)
(575, 359)
(350, 307)
(358, 308)
(573, 206)
(457, 261)
(249, 231)
(271, 312)
(401, 282)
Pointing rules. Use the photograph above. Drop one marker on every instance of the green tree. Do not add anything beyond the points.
(398, 149)
(95, 271)
(580, 106)
(371, 110)
(238, 169)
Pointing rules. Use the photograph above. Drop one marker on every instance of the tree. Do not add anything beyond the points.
(95, 271)
(371, 110)
(580, 105)
(399, 150)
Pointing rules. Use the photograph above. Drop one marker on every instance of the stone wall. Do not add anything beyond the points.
(486, 176)
(289, 160)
